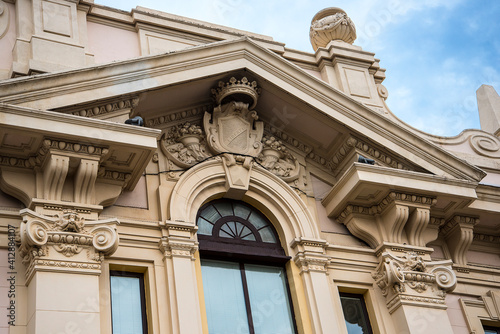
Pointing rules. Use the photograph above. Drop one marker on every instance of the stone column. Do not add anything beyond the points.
(178, 246)
(63, 255)
(312, 260)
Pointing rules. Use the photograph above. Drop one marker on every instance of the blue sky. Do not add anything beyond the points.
(437, 52)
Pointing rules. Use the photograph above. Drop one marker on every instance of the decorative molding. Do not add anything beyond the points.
(286, 138)
(369, 151)
(382, 91)
(459, 233)
(331, 24)
(106, 108)
(492, 239)
(179, 117)
(310, 255)
(485, 144)
(411, 280)
(68, 234)
(179, 240)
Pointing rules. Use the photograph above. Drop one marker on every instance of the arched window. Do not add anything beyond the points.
(244, 279)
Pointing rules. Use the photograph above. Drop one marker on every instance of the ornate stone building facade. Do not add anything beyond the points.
(175, 176)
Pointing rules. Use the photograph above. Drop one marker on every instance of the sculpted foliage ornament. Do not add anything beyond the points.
(185, 145)
(428, 281)
(278, 160)
(331, 24)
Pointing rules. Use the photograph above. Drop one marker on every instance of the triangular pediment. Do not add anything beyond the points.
(329, 128)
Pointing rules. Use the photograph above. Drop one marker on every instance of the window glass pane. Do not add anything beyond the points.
(224, 208)
(491, 331)
(241, 211)
(126, 305)
(267, 235)
(228, 230)
(257, 220)
(224, 299)
(210, 214)
(204, 227)
(354, 315)
(269, 300)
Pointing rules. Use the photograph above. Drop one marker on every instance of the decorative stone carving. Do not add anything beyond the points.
(68, 234)
(459, 233)
(4, 18)
(180, 116)
(382, 91)
(369, 151)
(103, 109)
(410, 280)
(311, 255)
(185, 145)
(233, 128)
(237, 90)
(485, 144)
(178, 240)
(331, 24)
(278, 160)
(391, 220)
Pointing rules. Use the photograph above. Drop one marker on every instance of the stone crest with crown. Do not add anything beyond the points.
(233, 127)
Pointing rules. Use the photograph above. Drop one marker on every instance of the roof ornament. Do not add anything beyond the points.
(331, 24)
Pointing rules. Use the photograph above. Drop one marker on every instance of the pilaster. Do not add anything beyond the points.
(415, 291)
(63, 255)
(310, 256)
(178, 246)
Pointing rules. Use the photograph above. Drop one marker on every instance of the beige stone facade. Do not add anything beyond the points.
(361, 202)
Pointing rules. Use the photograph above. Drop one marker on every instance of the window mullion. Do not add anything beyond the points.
(247, 298)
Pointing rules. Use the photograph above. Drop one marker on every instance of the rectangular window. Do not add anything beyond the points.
(128, 305)
(355, 314)
(246, 298)
(491, 330)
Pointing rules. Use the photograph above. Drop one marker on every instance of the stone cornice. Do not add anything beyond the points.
(152, 71)
(102, 108)
(369, 151)
(178, 117)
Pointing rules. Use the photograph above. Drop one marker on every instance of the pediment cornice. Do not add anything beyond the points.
(54, 90)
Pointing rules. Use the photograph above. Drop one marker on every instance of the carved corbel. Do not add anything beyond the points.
(54, 243)
(459, 233)
(85, 179)
(55, 170)
(178, 240)
(417, 225)
(409, 280)
(310, 255)
(398, 219)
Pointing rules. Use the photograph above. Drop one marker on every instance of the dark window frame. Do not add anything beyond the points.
(213, 247)
(491, 328)
(361, 298)
(142, 292)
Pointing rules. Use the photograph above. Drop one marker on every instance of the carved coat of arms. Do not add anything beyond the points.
(232, 128)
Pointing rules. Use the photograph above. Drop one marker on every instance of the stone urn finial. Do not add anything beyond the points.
(331, 24)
